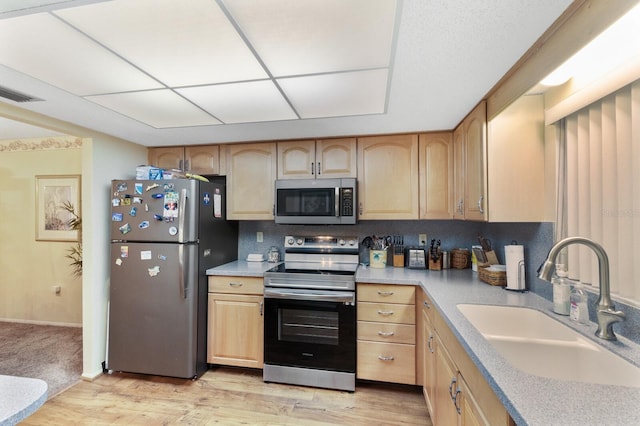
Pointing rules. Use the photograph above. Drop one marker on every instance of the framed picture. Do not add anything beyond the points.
(57, 203)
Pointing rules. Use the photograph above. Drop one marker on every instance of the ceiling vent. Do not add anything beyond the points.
(15, 96)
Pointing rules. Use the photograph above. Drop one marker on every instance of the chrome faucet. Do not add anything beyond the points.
(605, 310)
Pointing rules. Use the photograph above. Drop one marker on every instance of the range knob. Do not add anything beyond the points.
(341, 242)
(299, 241)
(290, 241)
(352, 242)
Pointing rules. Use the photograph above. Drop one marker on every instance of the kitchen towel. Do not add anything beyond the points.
(514, 259)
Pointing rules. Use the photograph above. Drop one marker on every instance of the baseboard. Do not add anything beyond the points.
(58, 324)
(90, 377)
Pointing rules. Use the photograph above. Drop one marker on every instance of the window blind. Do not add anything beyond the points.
(601, 179)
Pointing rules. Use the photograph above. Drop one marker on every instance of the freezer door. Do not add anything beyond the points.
(153, 309)
(159, 210)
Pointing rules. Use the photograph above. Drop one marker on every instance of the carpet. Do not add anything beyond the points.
(50, 353)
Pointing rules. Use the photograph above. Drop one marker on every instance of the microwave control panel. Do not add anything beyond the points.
(347, 201)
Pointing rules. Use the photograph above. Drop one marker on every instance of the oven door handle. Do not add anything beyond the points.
(334, 296)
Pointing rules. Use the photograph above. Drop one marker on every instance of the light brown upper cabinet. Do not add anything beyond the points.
(470, 173)
(316, 159)
(458, 173)
(516, 162)
(475, 147)
(388, 186)
(197, 159)
(436, 175)
(251, 173)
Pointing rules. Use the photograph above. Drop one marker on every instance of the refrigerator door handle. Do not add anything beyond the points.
(181, 270)
(182, 213)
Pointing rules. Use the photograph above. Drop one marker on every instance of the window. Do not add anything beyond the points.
(599, 188)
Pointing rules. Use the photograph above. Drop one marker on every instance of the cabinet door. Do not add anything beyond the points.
(235, 330)
(203, 160)
(251, 173)
(458, 173)
(296, 159)
(388, 177)
(475, 142)
(167, 158)
(446, 387)
(336, 158)
(428, 362)
(470, 412)
(436, 175)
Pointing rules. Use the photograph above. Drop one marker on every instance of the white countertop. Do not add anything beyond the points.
(242, 268)
(530, 399)
(19, 398)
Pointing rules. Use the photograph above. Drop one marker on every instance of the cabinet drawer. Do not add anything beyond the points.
(386, 312)
(386, 362)
(386, 293)
(238, 285)
(387, 332)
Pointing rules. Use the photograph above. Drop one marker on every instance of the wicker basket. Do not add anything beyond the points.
(460, 258)
(492, 277)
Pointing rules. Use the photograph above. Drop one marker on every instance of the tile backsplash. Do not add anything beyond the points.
(537, 239)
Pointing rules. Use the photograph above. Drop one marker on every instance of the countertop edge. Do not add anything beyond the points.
(25, 397)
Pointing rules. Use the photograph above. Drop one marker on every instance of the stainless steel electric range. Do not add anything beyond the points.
(310, 313)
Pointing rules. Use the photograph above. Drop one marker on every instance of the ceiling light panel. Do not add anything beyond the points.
(49, 50)
(332, 95)
(295, 37)
(242, 102)
(182, 43)
(157, 108)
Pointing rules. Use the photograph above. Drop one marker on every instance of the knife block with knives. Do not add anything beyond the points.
(484, 254)
(435, 256)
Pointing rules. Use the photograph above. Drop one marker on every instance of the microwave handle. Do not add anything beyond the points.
(337, 202)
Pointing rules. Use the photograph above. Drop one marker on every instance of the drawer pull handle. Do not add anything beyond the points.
(232, 284)
(386, 333)
(385, 293)
(385, 358)
(385, 313)
(430, 344)
(452, 389)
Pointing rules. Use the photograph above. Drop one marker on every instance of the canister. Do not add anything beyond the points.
(446, 260)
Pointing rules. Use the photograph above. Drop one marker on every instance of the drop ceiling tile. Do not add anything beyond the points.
(242, 102)
(44, 47)
(333, 95)
(157, 108)
(182, 43)
(295, 37)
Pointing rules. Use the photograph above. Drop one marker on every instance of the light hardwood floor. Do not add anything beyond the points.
(228, 396)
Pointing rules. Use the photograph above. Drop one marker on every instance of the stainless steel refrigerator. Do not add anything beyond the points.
(165, 234)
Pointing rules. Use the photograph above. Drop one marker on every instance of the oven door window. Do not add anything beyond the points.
(308, 326)
(306, 202)
(310, 334)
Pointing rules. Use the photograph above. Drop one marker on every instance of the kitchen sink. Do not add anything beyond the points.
(538, 344)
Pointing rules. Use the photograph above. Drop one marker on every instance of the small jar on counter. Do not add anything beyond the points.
(561, 291)
(273, 255)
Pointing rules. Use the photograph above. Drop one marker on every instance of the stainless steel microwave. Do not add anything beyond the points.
(316, 201)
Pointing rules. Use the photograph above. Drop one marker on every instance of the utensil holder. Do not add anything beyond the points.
(378, 258)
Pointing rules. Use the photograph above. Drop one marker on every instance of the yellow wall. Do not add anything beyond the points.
(28, 268)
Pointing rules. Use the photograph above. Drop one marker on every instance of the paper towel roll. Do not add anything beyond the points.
(514, 259)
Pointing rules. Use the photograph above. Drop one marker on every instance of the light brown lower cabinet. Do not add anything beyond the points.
(386, 333)
(454, 389)
(235, 333)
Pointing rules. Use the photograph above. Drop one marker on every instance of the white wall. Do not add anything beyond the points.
(103, 160)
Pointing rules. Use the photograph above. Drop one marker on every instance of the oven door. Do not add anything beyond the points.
(310, 329)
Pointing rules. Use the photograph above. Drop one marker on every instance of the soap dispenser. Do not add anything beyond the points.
(561, 291)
